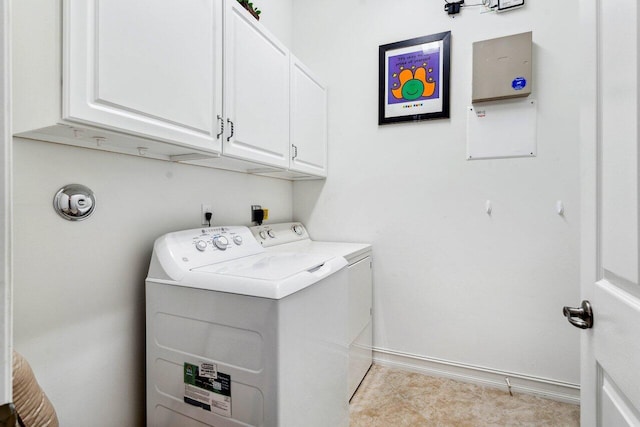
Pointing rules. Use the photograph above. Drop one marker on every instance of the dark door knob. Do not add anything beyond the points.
(581, 317)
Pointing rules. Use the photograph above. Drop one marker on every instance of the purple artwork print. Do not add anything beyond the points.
(414, 76)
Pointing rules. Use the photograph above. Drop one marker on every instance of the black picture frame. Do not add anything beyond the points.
(414, 79)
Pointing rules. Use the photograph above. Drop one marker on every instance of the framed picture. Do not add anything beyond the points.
(414, 79)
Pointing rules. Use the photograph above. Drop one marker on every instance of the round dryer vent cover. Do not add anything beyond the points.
(74, 202)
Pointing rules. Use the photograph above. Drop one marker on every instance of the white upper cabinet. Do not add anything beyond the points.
(141, 78)
(151, 68)
(256, 95)
(308, 121)
(195, 81)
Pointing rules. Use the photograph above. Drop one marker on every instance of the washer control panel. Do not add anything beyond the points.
(278, 234)
(220, 238)
(204, 246)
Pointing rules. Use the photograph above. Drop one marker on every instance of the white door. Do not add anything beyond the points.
(610, 374)
(256, 90)
(5, 213)
(308, 121)
(148, 67)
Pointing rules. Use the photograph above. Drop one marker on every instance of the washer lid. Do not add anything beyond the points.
(267, 266)
(273, 276)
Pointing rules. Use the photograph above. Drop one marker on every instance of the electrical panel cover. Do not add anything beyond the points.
(502, 68)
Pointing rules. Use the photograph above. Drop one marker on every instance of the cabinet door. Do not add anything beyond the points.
(256, 84)
(308, 121)
(151, 68)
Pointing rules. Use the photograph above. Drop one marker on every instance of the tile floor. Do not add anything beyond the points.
(393, 398)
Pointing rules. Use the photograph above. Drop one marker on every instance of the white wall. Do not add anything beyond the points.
(79, 287)
(451, 282)
(277, 17)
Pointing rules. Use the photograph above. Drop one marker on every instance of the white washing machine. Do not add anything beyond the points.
(293, 237)
(239, 336)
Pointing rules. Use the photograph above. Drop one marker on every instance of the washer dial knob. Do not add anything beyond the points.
(271, 234)
(262, 235)
(237, 240)
(298, 229)
(221, 242)
(201, 245)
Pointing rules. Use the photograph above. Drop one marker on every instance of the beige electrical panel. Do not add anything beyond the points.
(502, 68)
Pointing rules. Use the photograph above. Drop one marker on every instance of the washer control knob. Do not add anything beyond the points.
(201, 245)
(297, 228)
(271, 234)
(221, 242)
(262, 235)
(237, 240)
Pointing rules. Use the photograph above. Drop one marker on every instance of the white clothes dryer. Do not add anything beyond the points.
(239, 336)
(293, 237)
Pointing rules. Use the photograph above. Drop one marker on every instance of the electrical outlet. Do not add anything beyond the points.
(204, 208)
(256, 210)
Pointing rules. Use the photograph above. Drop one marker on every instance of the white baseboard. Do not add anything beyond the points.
(520, 383)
